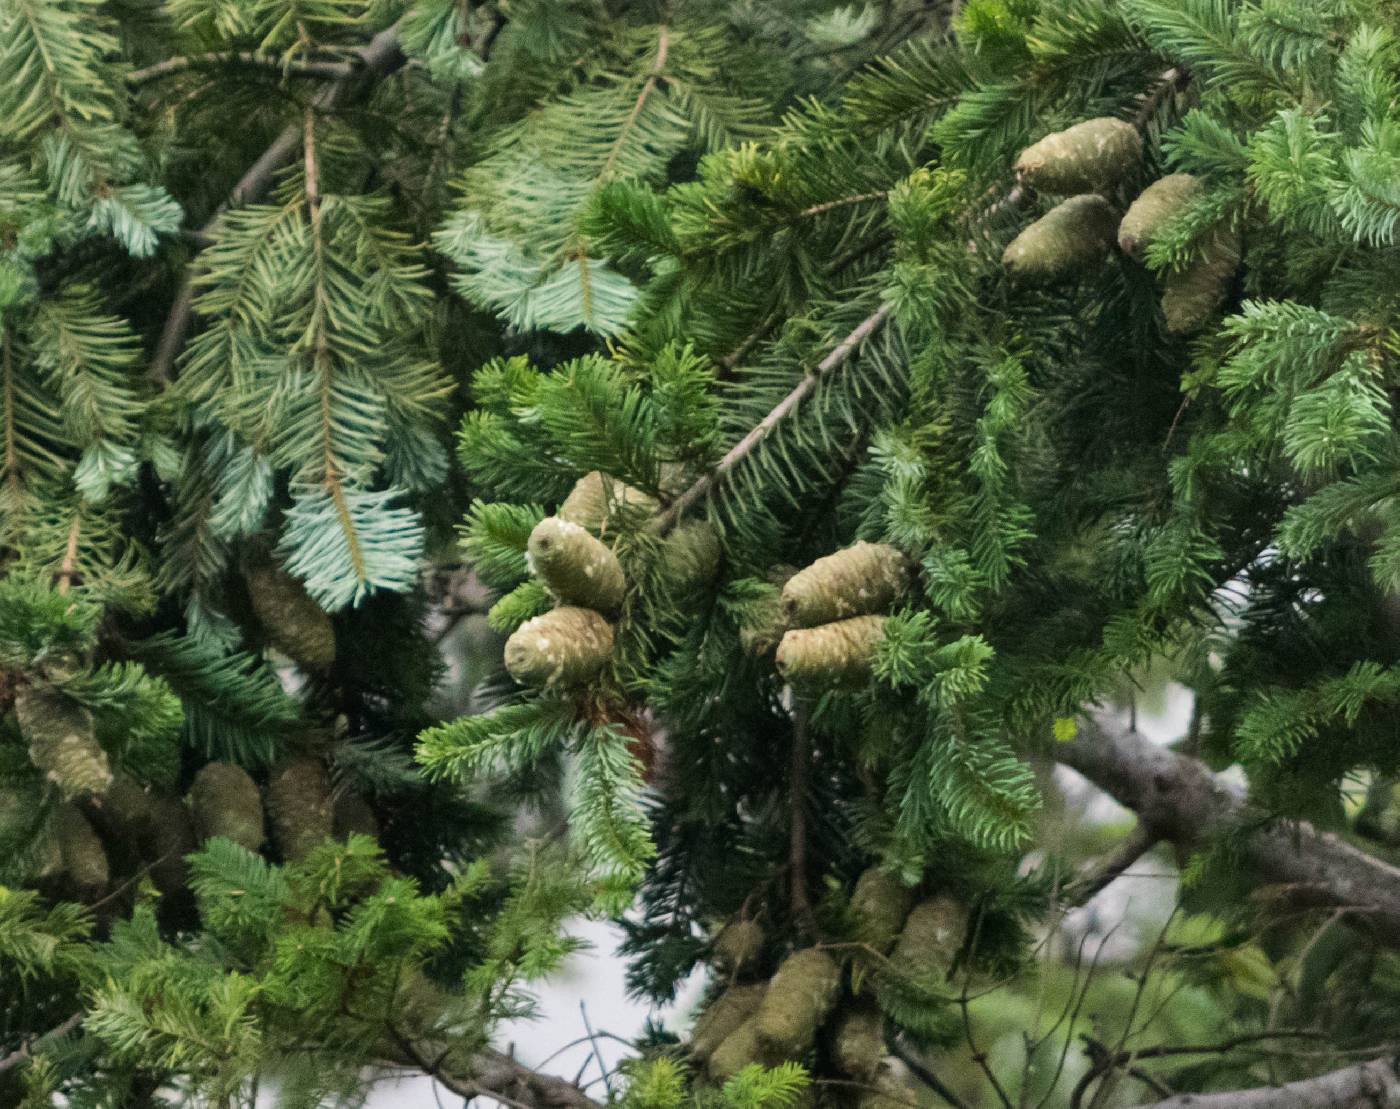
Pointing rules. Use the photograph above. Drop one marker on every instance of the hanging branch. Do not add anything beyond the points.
(379, 58)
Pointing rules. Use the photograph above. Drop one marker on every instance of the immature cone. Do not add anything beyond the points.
(765, 623)
(169, 839)
(833, 656)
(577, 568)
(597, 499)
(932, 936)
(739, 946)
(859, 1043)
(351, 813)
(294, 623)
(566, 646)
(723, 1016)
(1072, 237)
(299, 802)
(62, 741)
(740, 1048)
(226, 802)
(799, 998)
(1090, 156)
(1191, 296)
(690, 555)
(84, 858)
(858, 581)
(1157, 205)
(880, 905)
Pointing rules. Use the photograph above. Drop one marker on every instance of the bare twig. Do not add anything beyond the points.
(336, 71)
(1370, 1085)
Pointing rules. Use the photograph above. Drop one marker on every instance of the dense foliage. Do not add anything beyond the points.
(840, 406)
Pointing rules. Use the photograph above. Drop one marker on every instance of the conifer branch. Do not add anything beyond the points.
(1179, 799)
(337, 71)
(380, 57)
(663, 45)
(741, 450)
(7, 401)
(1371, 1085)
(23, 1053)
(1098, 878)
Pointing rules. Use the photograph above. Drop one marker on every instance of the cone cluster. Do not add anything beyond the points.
(1095, 157)
(568, 645)
(293, 622)
(834, 612)
(808, 1000)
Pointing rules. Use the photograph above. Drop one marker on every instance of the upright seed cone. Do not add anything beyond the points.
(799, 997)
(861, 580)
(1071, 238)
(170, 838)
(1091, 156)
(577, 568)
(294, 623)
(299, 802)
(598, 499)
(84, 858)
(566, 646)
(859, 1043)
(351, 813)
(62, 741)
(931, 938)
(833, 656)
(739, 947)
(226, 802)
(723, 1016)
(1154, 208)
(880, 905)
(1190, 296)
(738, 1050)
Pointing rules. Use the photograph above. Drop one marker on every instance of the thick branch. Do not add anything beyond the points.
(380, 57)
(333, 70)
(1180, 800)
(1373, 1085)
(495, 1075)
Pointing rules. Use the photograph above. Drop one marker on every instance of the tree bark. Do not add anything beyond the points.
(1372, 1085)
(1180, 800)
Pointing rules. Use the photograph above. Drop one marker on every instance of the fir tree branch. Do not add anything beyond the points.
(663, 45)
(7, 401)
(1099, 877)
(22, 1054)
(337, 71)
(496, 1075)
(1371, 1085)
(380, 57)
(1179, 799)
(838, 355)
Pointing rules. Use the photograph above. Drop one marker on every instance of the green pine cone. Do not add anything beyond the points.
(1157, 205)
(880, 905)
(62, 741)
(739, 947)
(1072, 237)
(226, 802)
(299, 803)
(833, 656)
(577, 568)
(723, 1016)
(738, 1050)
(931, 938)
(859, 1043)
(294, 623)
(690, 555)
(596, 500)
(800, 996)
(170, 838)
(84, 857)
(1190, 296)
(861, 580)
(1092, 156)
(566, 646)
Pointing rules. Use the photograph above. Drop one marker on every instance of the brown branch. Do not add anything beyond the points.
(380, 57)
(1371, 1085)
(336, 71)
(496, 1075)
(22, 1054)
(797, 831)
(1098, 877)
(1178, 799)
(70, 556)
(741, 450)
